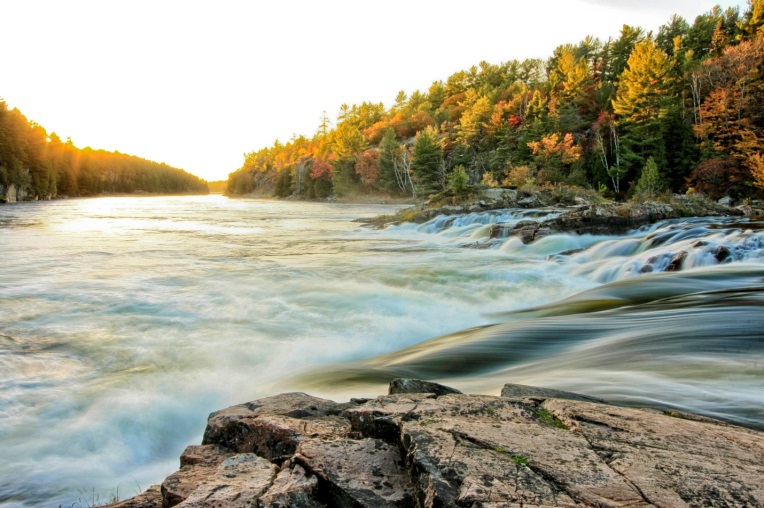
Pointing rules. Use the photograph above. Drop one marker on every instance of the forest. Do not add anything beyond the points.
(642, 114)
(37, 165)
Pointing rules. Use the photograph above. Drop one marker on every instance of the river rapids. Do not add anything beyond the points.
(125, 321)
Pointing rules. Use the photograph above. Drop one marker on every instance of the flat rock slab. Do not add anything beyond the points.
(671, 460)
(534, 447)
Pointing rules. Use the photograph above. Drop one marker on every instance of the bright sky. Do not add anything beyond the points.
(196, 84)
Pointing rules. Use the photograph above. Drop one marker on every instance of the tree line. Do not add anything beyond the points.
(678, 110)
(38, 165)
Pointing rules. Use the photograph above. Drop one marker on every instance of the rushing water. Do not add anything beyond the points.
(124, 321)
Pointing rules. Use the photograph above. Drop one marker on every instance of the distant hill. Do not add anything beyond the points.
(37, 165)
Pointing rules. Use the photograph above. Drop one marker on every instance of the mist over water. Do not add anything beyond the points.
(125, 321)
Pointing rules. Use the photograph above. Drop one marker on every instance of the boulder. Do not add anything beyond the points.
(426, 445)
(726, 201)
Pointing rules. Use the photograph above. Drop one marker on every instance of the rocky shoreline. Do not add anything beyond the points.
(427, 445)
(581, 213)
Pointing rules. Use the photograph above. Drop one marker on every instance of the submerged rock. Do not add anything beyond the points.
(425, 445)
(515, 391)
(418, 386)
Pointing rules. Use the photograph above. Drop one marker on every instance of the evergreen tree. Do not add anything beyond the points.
(426, 163)
(651, 183)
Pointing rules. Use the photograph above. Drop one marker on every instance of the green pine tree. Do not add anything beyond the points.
(426, 162)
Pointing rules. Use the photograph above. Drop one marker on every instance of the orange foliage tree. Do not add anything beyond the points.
(366, 167)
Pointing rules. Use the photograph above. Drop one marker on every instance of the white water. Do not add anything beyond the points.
(125, 321)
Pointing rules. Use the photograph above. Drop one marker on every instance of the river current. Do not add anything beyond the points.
(124, 321)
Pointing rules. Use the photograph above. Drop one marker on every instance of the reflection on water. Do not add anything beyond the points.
(124, 321)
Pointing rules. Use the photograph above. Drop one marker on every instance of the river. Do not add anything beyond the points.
(124, 321)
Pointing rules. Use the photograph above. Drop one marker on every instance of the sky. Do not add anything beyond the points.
(197, 84)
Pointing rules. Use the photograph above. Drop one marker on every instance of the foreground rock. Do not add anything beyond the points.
(530, 447)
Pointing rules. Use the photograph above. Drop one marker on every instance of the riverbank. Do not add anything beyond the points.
(137, 194)
(364, 199)
(426, 445)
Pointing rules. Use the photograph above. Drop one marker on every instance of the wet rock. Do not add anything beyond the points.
(527, 230)
(515, 391)
(676, 262)
(721, 253)
(500, 230)
(531, 447)
(418, 386)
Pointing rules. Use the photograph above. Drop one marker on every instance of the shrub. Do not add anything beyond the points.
(718, 177)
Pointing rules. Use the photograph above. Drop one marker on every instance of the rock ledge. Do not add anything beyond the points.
(531, 447)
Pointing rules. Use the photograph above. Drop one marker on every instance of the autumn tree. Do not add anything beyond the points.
(731, 118)
(719, 176)
(753, 24)
(348, 143)
(572, 88)
(642, 103)
(477, 111)
(366, 167)
(756, 167)
(555, 157)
